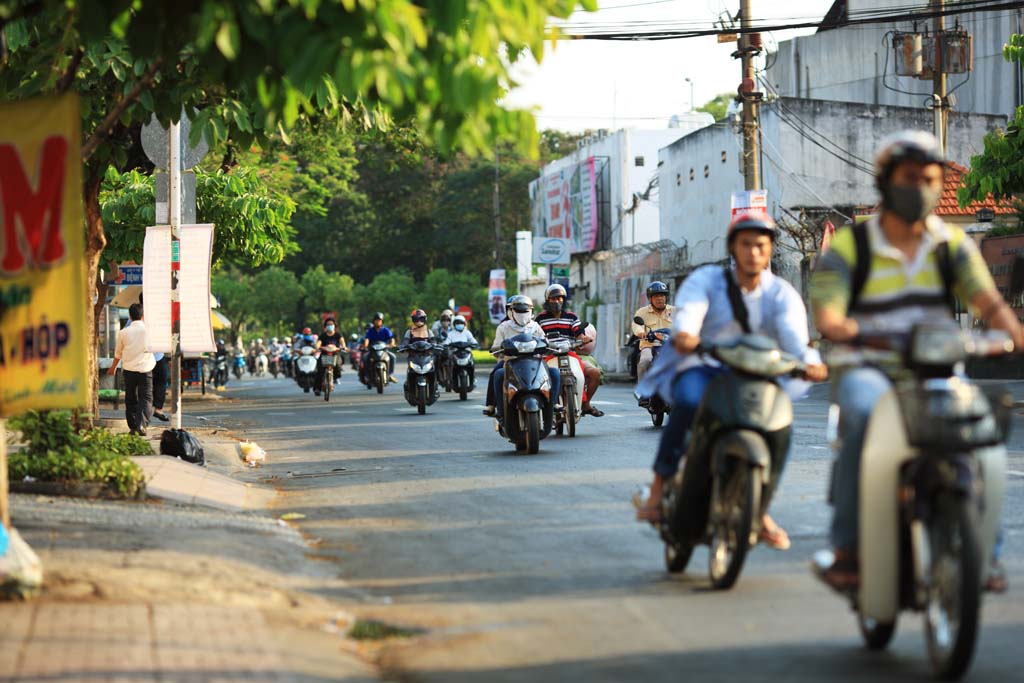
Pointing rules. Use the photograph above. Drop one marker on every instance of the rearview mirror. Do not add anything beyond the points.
(638, 320)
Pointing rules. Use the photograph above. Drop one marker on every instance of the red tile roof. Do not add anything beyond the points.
(948, 205)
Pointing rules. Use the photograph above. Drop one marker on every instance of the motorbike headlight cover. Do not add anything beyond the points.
(379, 346)
(526, 346)
(940, 346)
(425, 367)
(463, 360)
(307, 350)
(762, 362)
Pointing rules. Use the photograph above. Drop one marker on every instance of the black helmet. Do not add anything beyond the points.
(657, 287)
(419, 316)
(910, 145)
(377, 316)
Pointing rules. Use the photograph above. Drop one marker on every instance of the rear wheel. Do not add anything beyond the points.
(876, 634)
(677, 556)
(658, 417)
(532, 433)
(735, 499)
(954, 595)
(463, 394)
(569, 401)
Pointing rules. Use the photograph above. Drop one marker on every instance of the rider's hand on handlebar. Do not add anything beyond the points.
(816, 373)
(686, 343)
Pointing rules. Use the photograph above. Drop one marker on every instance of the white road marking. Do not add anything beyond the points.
(606, 403)
(280, 413)
(1015, 473)
(346, 412)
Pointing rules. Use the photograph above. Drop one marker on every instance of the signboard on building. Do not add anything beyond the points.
(43, 341)
(129, 274)
(552, 250)
(749, 201)
(1004, 257)
(496, 296)
(567, 206)
(192, 263)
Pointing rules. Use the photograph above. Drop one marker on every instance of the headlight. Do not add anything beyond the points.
(763, 362)
(465, 360)
(307, 350)
(426, 367)
(526, 346)
(940, 346)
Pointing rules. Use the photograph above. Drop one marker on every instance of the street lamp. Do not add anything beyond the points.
(687, 79)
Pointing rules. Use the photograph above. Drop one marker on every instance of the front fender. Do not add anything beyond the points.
(531, 404)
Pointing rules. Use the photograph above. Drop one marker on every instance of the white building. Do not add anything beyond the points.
(856, 63)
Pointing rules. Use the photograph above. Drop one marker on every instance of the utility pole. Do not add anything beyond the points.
(749, 47)
(940, 104)
(174, 177)
(497, 214)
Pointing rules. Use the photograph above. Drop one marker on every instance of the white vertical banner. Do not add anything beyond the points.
(156, 287)
(524, 256)
(194, 289)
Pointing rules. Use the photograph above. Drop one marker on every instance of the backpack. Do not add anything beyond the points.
(862, 268)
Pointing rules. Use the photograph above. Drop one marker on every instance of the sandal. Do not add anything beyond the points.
(646, 512)
(840, 574)
(996, 581)
(591, 410)
(775, 538)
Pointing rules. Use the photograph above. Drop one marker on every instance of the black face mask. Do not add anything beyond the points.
(911, 203)
(554, 307)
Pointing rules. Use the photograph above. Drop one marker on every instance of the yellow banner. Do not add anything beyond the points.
(43, 339)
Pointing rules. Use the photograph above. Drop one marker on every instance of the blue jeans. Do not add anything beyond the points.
(498, 379)
(687, 393)
(858, 391)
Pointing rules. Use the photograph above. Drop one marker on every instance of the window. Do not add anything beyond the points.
(707, 171)
(723, 156)
(691, 174)
(679, 178)
(638, 161)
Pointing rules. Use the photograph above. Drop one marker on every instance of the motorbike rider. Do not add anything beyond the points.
(715, 304)
(376, 332)
(520, 321)
(657, 314)
(443, 325)
(558, 321)
(419, 329)
(460, 333)
(914, 263)
(329, 336)
(221, 354)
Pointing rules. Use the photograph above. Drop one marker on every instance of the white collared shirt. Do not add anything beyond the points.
(131, 348)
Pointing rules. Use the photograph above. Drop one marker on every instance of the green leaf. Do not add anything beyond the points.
(228, 40)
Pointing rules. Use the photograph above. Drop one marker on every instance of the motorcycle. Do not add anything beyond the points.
(655, 405)
(305, 369)
(239, 367)
(275, 364)
(633, 354)
(355, 355)
(463, 371)
(736, 453)
(933, 475)
(262, 364)
(572, 393)
(526, 393)
(421, 381)
(444, 368)
(287, 362)
(329, 359)
(220, 370)
(376, 365)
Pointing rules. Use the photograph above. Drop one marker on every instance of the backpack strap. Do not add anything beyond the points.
(862, 266)
(739, 308)
(944, 261)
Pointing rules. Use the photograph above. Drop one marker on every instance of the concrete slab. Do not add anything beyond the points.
(183, 482)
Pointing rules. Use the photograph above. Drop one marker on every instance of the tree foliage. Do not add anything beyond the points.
(718, 105)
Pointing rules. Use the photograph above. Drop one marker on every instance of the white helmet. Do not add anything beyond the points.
(521, 310)
(459, 319)
(259, 340)
(273, 340)
(554, 290)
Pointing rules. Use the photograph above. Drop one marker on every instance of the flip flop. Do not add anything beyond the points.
(996, 581)
(591, 410)
(841, 576)
(776, 538)
(645, 512)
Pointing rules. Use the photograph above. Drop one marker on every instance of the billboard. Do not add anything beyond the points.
(565, 204)
(43, 339)
(496, 294)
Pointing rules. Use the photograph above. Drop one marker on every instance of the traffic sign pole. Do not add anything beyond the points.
(174, 173)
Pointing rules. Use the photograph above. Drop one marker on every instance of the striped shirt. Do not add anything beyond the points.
(900, 290)
(566, 324)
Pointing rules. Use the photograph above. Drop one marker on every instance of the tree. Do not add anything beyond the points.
(718, 105)
(237, 300)
(324, 291)
(394, 293)
(555, 144)
(251, 68)
(276, 297)
(999, 170)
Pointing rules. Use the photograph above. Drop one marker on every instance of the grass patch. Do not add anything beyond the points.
(370, 629)
(483, 357)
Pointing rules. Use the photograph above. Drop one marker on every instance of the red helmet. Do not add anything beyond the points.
(306, 330)
(752, 220)
(419, 316)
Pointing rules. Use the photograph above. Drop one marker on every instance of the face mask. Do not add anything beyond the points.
(522, 319)
(553, 307)
(459, 327)
(330, 329)
(419, 323)
(910, 203)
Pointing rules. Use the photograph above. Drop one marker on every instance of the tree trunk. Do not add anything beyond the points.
(95, 242)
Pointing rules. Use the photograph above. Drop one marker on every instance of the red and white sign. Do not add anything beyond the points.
(465, 311)
(749, 201)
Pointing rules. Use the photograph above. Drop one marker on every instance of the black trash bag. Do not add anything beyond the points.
(181, 444)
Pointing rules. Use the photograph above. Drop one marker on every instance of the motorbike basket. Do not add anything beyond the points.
(952, 420)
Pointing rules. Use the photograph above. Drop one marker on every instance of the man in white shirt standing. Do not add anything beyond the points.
(132, 343)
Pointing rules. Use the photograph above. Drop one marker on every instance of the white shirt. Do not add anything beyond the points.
(509, 328)
(456, 336)
(131, 348)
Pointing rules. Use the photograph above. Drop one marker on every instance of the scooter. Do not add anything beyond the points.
(737, 449)
(933, 475)
(220, 370)
(655, 405)
(329, 359)
(463, 368)
(376, 367)
(574, 387)
(421, 381)
(526, 393)
(262, 364)
(239, 366)
(305, 369)
(287, 364)
(275, 364)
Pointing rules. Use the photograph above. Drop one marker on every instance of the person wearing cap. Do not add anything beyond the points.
(376, 332)
(911, 255)
(557, 321)
(704, 311)
(443, 325)
(657, 315)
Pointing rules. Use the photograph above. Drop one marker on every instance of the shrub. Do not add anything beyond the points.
(57, 451)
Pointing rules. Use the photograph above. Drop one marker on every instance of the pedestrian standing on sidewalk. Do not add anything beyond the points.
(138, 371)
(161, 375)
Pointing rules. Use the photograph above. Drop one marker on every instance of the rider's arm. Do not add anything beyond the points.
(692, 303)
(638, 330)
(992, 308)
(830, 294)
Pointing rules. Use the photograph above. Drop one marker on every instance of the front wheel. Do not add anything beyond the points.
(463, 394)
(382, 380)
(532, 433)
(421, 400)
(328, 383)
(569, 401)
(954, 594)
(677, 556)
(658, 417)
(735, 499)
(876, 634)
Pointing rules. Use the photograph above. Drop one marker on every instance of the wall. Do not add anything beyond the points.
(795, 171)
(846, 64)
